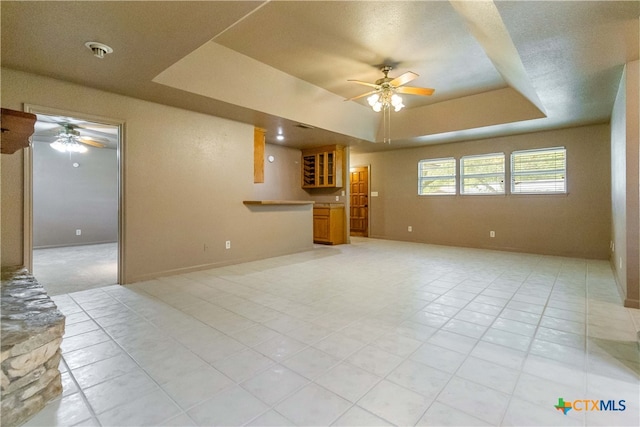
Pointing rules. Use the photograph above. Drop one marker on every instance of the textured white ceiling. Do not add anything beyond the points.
(327, 43)
(497, 67)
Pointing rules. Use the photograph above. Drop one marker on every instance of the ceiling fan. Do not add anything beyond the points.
(66, 136)
(71, 131)
(69, 140)
(386, 90)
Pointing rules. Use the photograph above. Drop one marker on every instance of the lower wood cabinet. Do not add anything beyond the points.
(328, 224)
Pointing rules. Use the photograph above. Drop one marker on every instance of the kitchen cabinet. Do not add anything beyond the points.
(322, 167)
(328, 223)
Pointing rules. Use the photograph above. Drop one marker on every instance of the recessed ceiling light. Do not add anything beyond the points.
(280, 137)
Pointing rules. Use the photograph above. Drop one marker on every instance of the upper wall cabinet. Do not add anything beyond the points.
(322, 167)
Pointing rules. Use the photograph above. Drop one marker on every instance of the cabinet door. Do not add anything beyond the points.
(321, 170)
(331, 169)
(321, 228)
(336, 226)
(326, 169)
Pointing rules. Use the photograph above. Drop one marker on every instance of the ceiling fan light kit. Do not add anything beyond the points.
(67, 144)
(68, 141)
(385, 99)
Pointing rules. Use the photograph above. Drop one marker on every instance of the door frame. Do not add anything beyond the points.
(368, 166)
(28, 183)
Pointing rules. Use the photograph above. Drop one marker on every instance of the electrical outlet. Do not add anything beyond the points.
(492, 233)
(337, 198)
(227, 244)
(409, 229)
(78, 232)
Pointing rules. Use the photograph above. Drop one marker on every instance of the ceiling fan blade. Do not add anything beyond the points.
(424, 91)
(360, 82)
(403, 79)
(46, 127)
(47, 132)
(91, 142)
(98, 135)
(362, 96)
(97, 127)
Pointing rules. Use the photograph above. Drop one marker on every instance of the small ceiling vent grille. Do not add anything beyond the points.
(99, 50)
(303, 126)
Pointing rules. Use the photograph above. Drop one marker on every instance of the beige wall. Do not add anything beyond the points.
(185, 177)
(282, 177)
(625, 180)
(575, 224)
(11, 208)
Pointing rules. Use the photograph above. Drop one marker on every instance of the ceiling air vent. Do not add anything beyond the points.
(303, 126)
(99, 50)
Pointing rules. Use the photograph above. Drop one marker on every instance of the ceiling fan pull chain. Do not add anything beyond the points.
(386, 125)
(389, 123)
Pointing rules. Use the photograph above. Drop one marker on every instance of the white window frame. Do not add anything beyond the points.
(436, 177)
(532, 172)
(500, 175)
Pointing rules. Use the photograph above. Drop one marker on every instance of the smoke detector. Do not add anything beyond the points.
(99, 50)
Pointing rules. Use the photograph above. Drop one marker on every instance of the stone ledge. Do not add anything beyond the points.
(32, 328)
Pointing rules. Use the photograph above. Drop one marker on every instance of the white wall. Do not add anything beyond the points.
(68, 198)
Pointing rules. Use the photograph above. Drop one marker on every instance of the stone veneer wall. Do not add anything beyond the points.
(32, 329)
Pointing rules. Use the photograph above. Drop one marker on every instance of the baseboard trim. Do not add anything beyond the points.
(74, 244)
(208, 266)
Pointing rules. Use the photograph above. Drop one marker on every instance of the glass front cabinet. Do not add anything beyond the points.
(322, 167)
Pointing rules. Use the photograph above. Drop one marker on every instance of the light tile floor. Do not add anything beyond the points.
(372, 333)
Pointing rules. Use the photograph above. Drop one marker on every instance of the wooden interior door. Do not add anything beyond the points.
(360, 201)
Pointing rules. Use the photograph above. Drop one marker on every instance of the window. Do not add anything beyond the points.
(539, 171)
(483, 174)
(437, 176)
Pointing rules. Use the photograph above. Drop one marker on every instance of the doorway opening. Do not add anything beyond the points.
(359, 201)
(74, 236)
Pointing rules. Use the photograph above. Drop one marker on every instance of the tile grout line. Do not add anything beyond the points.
(528, 351)
(363, 315)
(113, 339)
